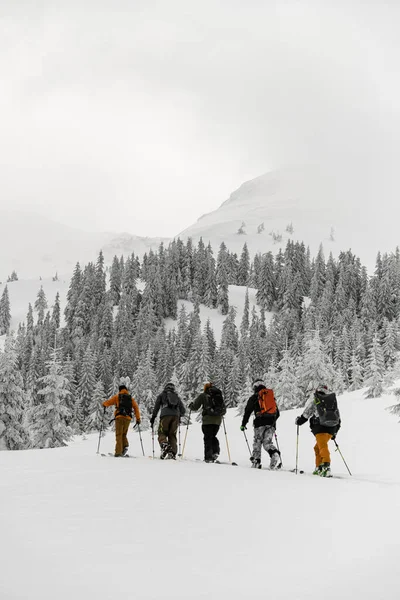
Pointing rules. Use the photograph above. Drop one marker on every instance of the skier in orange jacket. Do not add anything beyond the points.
(124, 404)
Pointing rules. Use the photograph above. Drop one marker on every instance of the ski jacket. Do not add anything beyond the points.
(167, 411)
(310, 412)
(114, 401)
(201, 402)
(254, 406)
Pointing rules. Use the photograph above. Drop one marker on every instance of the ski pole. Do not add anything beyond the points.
(297, 449)
(247, 441)
(277, 445)
(338, 449)
(152, 439)
(179, 438)
(101, 430)
(226, 438)
(187, 427)
(140, 436)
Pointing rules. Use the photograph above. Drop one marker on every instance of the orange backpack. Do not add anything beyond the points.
(266, 400)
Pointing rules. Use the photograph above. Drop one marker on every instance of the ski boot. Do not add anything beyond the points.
(215, 456)
(325, 470)
(165, 449)
(276, 462)
(125, 451)
(256, 463)
(170, 456)
(317, 470)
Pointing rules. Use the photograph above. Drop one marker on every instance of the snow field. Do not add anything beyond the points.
(75, 524)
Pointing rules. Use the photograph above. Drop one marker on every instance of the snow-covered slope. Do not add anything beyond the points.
(339, 210)
(76, 525)
(36, 247)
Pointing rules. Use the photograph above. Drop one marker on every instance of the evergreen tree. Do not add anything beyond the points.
(96, 420)
(86, 385)
(48, 420)
(40, 305)
(5, 312)
(244, 267)
(375, 369)
(12, 399)
(222, 280)
(315, 368)
(286, 389)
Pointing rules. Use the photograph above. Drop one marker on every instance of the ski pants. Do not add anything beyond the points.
(263, 436)
(211, 443)
(321, 449)
(121, 429)
(167, 432)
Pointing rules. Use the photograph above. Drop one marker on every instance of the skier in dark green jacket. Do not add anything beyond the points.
(213, 406)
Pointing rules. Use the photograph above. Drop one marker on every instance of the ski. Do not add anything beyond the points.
(216, 462)
(111, 455)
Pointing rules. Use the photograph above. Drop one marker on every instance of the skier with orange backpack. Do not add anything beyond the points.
(264, 406)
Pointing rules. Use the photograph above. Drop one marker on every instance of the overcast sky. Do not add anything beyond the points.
(142, 115)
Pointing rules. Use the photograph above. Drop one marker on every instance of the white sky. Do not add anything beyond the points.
(142, 115)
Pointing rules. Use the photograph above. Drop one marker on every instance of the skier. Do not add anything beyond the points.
(324, 423)
(213, 404)
(263, 404)
(123, 415)
(172, 409)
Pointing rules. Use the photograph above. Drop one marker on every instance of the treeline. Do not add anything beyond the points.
(317, 321)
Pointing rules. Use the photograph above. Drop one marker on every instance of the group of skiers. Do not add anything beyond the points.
(321, 409)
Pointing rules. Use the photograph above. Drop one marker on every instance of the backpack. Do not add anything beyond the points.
(171, 399)
(124, 405)
(215, 405)
(327, 409)
(267, 403)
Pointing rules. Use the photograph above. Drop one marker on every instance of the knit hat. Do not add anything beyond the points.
(258, 383)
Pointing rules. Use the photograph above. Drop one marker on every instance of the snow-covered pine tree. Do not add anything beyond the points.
(375, 369)
(13, 400)
(86, 385)
(48, 420)
(315, 368)
(244, 267)
(40, 305)
(5, 312)
(222, 280)
(356, 374)
(96, 419)
(286, 389)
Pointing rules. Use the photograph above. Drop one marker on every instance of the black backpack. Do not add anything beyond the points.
(214, 405)
(327, 408)
(171, 399)
(124, 405)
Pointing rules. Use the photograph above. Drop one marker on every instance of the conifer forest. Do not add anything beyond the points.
(317, 320)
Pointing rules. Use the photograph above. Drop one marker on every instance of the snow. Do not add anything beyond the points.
(314, 202)
(75, 525)
(35, 246)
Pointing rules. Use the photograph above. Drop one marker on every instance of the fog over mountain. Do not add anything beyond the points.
(152, 112)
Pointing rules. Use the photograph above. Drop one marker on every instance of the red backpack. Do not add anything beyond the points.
(266, 400)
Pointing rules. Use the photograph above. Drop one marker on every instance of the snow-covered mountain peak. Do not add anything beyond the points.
(306, 204)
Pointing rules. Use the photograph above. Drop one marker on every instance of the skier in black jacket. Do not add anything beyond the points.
(264, 424)
(172, 409)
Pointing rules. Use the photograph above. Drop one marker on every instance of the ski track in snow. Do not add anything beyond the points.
(76, 526)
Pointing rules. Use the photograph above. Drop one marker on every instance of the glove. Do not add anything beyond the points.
(300, 420)
(152, 422)
(333, 437)
(190, 406)
(243, 427)
(137, 421)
